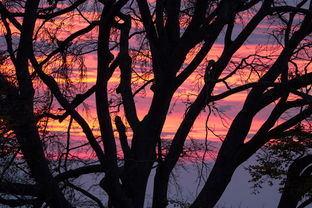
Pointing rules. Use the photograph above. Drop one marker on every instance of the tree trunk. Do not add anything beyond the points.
(144, 142)
(288, 200)
(298, 182)
(31, 148)
(217, 182)
(23, 121)
(161, 183)
(137, 170)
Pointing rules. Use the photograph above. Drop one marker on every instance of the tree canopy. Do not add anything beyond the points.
(155, 53)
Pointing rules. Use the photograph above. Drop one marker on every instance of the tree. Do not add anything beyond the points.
(287, 159)
(161, 43)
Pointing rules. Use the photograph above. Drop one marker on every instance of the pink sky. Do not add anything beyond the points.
(230, 105)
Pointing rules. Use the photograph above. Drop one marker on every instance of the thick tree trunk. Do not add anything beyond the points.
(31, 148)
(117, 197)
(137, 170)
(288, 200)
(217, 182)
(23, 122)
(161, 183)
(145, 138)
(141, 179)
(298, 182)
(164, 169)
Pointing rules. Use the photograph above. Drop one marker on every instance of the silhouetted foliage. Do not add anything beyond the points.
(280, 157)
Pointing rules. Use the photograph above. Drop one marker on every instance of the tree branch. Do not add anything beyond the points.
(87, 194)
(4, 12)
(123, 138)
(19, 189)
(62, 11)
(8, 38)
(53, 86)
(18, 202)
(75, 173)
(125, 76)
(70, 38)
(290, 9)
(148, 23)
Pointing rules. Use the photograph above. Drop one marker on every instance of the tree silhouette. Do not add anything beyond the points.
(160, 44)
(287, 159)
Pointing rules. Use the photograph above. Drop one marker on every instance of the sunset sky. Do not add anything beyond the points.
(259, 42)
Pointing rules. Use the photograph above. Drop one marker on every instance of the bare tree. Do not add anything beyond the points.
(162, 44)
